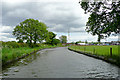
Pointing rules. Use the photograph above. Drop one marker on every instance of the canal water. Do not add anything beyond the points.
(60, 63)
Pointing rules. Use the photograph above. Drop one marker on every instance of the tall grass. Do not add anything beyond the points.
(9, 54)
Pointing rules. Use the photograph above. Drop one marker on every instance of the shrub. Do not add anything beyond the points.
(23, 44)
(13, 44)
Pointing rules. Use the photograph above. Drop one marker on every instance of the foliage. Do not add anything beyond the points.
(104, 18)
(9, 54)
(13, 44)
(50, 37)
(55, 41)
(30, 30)
(63, 39)
(79, 42)
(20, 41)
(86, 42)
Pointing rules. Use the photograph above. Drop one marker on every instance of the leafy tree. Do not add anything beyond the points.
(50, 37)
(31, 30)
(20, 41)
(63, 39)
(55, 41)
(104, 18)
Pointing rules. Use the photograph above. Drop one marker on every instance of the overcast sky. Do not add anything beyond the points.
(59, 15)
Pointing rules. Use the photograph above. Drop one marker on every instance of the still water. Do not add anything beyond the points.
(60, 63)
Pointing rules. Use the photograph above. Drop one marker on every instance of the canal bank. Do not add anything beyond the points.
(23, 56)
(109, 60)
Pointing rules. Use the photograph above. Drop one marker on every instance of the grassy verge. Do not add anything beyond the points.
(9, 54)
(100, 51)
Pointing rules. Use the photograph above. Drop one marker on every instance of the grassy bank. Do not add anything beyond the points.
(9, 54)
(100, 51)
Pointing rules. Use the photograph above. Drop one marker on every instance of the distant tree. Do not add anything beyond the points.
(73, 42)
(86, 42)
(31, 30)
(77, 42)
(50, 37)
(104, 17)
(63, 39)
(55, 41)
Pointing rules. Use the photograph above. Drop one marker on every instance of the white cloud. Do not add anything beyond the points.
(7, 37)
(59, 15)
(4, 38)
(6, 29)
(82, 37)
(18, 1)
(79, 29)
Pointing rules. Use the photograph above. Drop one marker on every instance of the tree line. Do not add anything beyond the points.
(33, 31)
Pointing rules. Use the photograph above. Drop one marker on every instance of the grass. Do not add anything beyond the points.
(99, 50)
(9, 54)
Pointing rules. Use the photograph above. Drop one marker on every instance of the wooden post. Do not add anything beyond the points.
(84, 49)
(110, 51)
(93, 50)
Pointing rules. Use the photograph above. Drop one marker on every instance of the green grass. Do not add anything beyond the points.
(9, 54)
(99, 50)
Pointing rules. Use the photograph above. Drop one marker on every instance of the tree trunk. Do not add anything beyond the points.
(99, 38)
(30, 41)
(35, 42)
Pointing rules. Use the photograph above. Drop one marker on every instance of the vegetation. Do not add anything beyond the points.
(63, 39)
(104, 17)
(51, 39)
(100, 50)
(30, 30)
(30, 34)
(12, 50)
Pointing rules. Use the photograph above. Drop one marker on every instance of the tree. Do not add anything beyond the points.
(20, 41)
(31, 30)
(104, 18)
(50, 37)
(55, 41)
(86, 42)
(63, 39)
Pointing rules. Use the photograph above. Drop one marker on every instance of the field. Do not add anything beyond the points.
(99, 50)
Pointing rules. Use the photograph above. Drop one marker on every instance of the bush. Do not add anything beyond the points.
(23, 44)
(13, 44)
(55, 41)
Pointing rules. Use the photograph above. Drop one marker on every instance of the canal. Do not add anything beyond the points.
(60, 63)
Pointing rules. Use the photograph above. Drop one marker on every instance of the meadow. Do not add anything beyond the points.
(101, 50)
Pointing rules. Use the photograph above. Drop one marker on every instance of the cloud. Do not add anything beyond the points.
(56, 28)
(81, 29)
(6, 29)
(6, 33)
(59, 15)
(82, 37)
(6, 37)
(65, 13)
